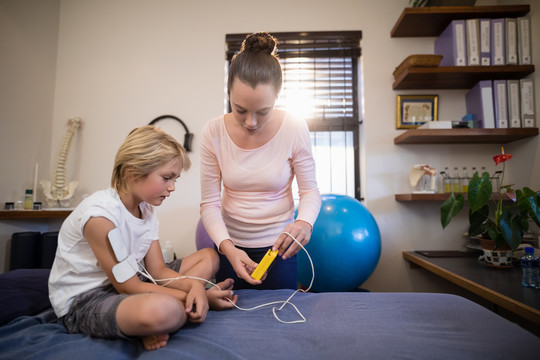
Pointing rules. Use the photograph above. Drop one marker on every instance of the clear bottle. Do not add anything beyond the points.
(28, 200)
(168, 252)
(447, 181)
(456, 188)
(465, 179)
(530, 266)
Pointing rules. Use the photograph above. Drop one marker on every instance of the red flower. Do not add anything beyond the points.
(502, 157)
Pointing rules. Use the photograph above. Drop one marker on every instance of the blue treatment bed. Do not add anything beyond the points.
(339, 326)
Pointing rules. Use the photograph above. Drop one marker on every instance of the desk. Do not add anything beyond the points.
(500, 287)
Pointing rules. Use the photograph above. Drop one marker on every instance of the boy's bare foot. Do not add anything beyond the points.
(154, 342)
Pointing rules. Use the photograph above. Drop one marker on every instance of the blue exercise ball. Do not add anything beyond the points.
(345, 246)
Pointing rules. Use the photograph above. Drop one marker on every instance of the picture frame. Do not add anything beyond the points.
(415, 110)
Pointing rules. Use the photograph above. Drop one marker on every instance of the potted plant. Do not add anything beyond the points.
(491, 215)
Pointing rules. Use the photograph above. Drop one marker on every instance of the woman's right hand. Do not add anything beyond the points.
(240, 261)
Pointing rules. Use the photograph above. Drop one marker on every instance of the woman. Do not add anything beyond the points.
(249, 158)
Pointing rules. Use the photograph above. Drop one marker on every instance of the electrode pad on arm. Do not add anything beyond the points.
(117, 243)
(127, 266)
(124, 270)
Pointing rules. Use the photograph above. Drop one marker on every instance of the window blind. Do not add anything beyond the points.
(320, 83)
(319, 75)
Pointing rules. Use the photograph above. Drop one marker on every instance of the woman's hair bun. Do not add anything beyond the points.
(260, 42)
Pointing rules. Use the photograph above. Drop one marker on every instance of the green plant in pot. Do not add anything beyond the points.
(493, 217)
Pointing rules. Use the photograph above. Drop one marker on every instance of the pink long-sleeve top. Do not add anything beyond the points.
(246, 194)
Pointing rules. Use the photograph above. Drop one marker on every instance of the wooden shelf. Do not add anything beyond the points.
(422, 197)
(33, 214)
(456, 77)
(431, 21)
(435, 197)
(464, 136)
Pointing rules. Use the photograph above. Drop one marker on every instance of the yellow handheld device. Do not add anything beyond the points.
(264, 264)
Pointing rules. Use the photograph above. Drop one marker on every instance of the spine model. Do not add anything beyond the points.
(60, 193)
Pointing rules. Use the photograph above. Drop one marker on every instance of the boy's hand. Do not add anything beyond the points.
(219, 299)
(197, 303)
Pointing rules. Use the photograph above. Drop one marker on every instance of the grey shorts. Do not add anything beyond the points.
(94, 312)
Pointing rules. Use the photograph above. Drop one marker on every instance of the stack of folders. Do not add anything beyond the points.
(502, 103)
(472, 42)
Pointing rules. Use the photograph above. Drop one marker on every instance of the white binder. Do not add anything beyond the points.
(528, 117)
(500, 103)
(498, 42)
(485, 41)
(511, 41)
(473, 41)
(514, 105)
(524, 41)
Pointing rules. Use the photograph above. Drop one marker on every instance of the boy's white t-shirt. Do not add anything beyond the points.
(75, 269)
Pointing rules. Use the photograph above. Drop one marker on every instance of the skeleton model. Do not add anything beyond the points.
(61, 193)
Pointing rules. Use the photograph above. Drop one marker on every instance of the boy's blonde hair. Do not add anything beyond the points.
(144, 150)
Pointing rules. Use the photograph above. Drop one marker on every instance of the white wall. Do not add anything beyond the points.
(120, 63)
(28, 49)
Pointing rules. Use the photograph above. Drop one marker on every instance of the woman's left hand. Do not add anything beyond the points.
(287, 247)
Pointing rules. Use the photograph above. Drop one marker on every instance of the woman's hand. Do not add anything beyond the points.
(197, 303)
(240, 261)
(287, 247)
(219, 299)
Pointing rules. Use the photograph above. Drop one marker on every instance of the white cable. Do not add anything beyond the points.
(147, 275)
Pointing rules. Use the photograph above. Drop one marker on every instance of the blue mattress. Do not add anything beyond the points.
(339, 326)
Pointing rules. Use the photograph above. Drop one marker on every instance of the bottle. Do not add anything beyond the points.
(465, 180)
(168, 252)
(455, 181)
(447, 186)
(28, 200)
(530, 266)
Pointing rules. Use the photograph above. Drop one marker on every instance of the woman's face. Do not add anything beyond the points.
(252, 108)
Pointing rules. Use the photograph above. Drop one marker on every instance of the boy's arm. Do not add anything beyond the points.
(196, 303)
(96, 233)
(155, 265)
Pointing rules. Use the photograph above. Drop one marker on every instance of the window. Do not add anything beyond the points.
(320, 83)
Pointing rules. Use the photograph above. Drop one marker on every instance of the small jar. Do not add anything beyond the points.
(9, 206)
(37, 205)
(19, 205)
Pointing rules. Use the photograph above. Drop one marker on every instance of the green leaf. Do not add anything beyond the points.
(511, 229)
(450, 208)
(479, 191)
(531, 201)
(477, 221)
